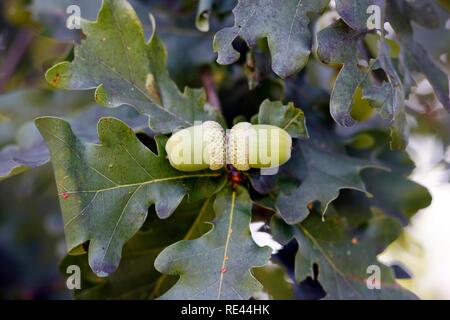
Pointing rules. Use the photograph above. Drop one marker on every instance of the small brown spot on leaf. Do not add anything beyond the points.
(152, 88)
(56, 79)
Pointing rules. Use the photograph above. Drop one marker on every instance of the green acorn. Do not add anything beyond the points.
(245, 146)
(258, 146)
(198, 147)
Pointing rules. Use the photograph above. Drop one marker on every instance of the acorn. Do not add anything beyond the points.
(258, 146)
(199, 147)
(245, 146)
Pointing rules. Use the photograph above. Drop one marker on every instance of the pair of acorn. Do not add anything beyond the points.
(208, 145)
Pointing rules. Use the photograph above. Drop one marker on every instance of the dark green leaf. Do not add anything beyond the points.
(392, 192)
(136, 277)
(288, 117)
(116, 60)
(321, 173)
(284, 23)
(395, 194)
(105, 189)
(217, 265)
(339, 44)
(344, 254)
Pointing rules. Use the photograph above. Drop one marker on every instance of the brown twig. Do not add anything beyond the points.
(210, 87)
(15, 53)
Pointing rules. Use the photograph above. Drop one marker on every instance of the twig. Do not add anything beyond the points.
(210, 87)
(15, 53)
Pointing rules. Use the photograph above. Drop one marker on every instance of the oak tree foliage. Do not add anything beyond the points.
(141, 70)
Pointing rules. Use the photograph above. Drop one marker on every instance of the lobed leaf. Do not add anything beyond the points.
(284, 23)
(105, 189)
(116, 60)
(217, 265)
(318, 169)
(322, 173)
(344, 255)
(136, 277)
(339, 44)
(288, 117)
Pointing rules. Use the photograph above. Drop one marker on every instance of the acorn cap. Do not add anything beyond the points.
(214, 142)
(237, 146)
(257, 146)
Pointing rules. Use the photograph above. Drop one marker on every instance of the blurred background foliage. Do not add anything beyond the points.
(33, 37)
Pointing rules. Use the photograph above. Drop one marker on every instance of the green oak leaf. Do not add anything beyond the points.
(284, 23)
(338, 44)
(386, 96)
(115, 59)
(136, 277)
(188, 48)
(105, 189)
(288, 117)
(395, 194)
(392, 191)
(217, 265)
(322, 173)
(389, 98)
(318, 169)
(344, 255)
